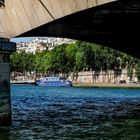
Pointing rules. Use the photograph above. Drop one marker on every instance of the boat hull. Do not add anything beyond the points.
(54, 83)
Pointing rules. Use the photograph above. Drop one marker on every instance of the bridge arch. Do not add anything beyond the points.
(113, 23)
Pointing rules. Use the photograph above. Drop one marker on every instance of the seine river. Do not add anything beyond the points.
(68, 113)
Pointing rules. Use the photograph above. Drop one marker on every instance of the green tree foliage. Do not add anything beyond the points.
(22, 62)
(138, 71)
(71, 50)
(130, 72)
(59, 59)
(80, 60)
(15, 62)
(73, 58)
(39, 68)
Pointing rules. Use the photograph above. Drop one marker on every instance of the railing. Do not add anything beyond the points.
(2, 3)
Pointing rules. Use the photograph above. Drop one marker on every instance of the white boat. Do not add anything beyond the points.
(53, 81)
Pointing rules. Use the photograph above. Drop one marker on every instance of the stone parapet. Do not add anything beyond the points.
(7, 46)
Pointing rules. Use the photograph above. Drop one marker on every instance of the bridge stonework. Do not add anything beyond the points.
(20, 16)
(112, 23)
(6, 48)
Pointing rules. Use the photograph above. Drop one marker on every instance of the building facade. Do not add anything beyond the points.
(42, 44)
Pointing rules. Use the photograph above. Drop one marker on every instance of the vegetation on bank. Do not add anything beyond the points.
(75, 57)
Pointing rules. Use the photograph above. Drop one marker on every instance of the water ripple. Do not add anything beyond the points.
(41, 113)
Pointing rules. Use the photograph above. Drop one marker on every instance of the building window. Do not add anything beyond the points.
(2, 3)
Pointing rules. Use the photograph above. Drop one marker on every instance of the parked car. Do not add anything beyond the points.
(132, 81)
(122, 81)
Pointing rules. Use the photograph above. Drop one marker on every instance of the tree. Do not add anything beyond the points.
(39, 62)
(138, 71)
(59, 59)
(71, 50)
(15, 62)
(80, 60)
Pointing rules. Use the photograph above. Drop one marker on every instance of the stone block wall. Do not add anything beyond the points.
(6, 48)
(5, 105)
(89, 77)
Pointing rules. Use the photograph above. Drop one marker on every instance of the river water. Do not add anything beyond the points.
(69, 113)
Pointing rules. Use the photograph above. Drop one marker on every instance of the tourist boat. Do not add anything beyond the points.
(53, 81)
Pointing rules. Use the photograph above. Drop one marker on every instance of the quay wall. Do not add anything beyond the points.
(108, 76)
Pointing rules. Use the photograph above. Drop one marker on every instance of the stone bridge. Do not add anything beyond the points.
(112, 23)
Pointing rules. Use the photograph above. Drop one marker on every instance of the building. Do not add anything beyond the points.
(42, 44)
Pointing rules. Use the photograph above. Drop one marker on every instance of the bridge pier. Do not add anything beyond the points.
(6, 48)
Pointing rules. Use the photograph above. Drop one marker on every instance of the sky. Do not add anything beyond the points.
(22, 39)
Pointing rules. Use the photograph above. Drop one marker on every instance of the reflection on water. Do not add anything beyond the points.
(41, 113)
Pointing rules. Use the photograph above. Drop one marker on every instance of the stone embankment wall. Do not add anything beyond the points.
(109, 76)
(5, 108)
(6, 48)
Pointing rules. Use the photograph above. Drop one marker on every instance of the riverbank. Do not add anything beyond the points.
(107, 85)
(23, 82)
(94, 85)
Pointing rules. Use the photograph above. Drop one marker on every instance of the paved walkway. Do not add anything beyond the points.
(126, 85)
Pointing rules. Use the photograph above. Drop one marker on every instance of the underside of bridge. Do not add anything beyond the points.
(114, 25)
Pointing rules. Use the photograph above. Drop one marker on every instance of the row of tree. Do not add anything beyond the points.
(75, 57)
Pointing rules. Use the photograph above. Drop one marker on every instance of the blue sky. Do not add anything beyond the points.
(22, 39)
(25, 39)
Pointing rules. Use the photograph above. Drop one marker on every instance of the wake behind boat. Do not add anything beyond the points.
(53, 81)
